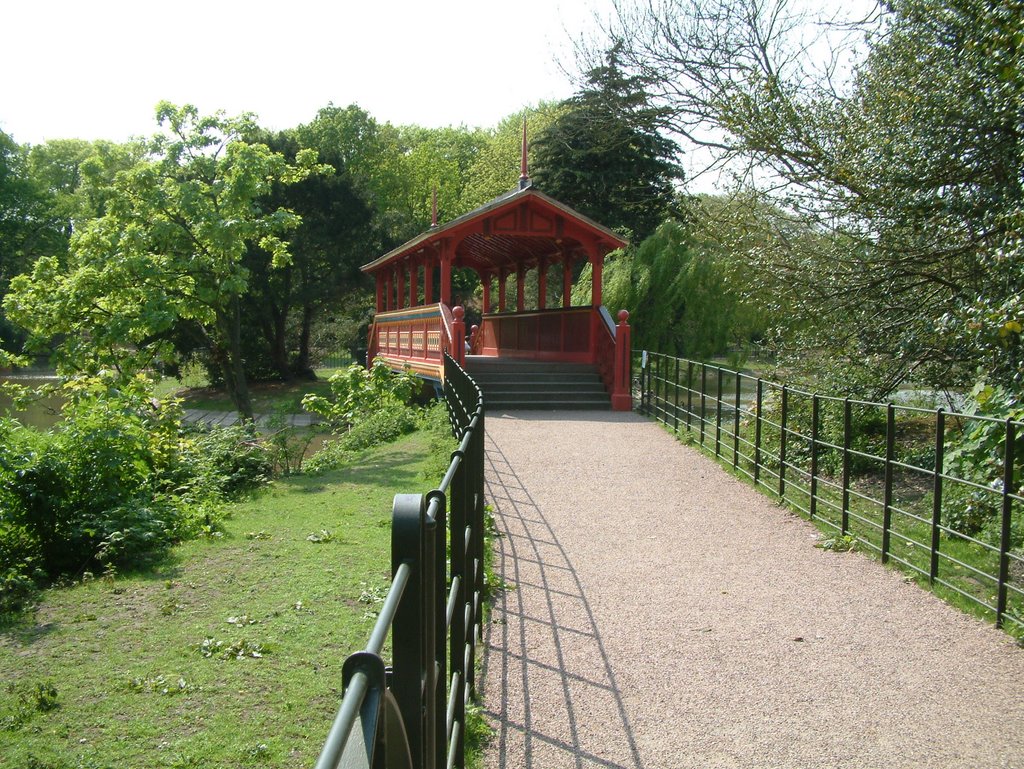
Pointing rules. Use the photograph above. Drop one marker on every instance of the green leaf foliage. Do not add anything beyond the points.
(168, 249)
(909, 171)
(605, 155)
(115, 482)
(678, 293)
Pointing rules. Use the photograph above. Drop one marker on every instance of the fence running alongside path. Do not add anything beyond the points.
(412, 714)
(876, 472)
(657, 613)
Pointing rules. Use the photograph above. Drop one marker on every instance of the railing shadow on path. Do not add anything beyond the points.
(548, 685)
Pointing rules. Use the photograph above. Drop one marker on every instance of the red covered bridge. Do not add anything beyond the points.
(539, 353)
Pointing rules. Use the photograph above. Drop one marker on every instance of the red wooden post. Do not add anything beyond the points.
(414, 274)
(388, 293)
(567, 282)
(622, 398)
(501, 290)
(542, 283)
(401, 287)
(446, 279)
(596, 266)
(459, 335)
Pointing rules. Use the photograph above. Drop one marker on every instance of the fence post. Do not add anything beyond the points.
(461, 589)
(410, 640)
(655, 377)
(1004, 538)
(643, 382)
(736, 426)
(675, 409)
(847, 438)
(703, 399)
(815, 406)
(940, 448)
(459, 335)
(759, 402)
(479, 524)
(890, 451)
(689, 394)
(718, 414)
(622, 396)
(782, 442)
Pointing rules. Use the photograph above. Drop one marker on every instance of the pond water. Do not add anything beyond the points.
(42, 412)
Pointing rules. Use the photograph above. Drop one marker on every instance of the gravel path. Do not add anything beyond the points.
(659, 613)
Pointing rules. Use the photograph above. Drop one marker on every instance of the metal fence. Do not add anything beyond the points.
(897, 480)
(412, 714)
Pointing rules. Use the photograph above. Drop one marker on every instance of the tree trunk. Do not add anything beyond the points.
(279, 343)
(302, 366)
(231, 362)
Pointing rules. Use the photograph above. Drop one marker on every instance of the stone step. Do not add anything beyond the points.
(579, 404)
(510, 384)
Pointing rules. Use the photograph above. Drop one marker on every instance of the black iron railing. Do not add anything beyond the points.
(877, 474)
(413, 714)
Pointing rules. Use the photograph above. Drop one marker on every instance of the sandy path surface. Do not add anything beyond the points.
(659, 613)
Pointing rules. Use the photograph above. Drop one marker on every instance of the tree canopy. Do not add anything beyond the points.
(168, 248)
(912, 170)
(605, 155)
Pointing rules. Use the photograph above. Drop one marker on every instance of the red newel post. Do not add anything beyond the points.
(622, 398)
(459, 335)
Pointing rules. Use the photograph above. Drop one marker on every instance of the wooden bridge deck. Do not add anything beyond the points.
(658, 613)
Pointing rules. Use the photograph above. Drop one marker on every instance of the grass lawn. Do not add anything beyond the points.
(160, 669)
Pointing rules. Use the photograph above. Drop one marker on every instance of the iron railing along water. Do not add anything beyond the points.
(412, 714)
(875, 473)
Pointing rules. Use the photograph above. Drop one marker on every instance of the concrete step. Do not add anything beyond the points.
(579, 404)
(508, 393)
(510, 384)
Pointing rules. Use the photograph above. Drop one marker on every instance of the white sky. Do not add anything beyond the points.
(96, 69)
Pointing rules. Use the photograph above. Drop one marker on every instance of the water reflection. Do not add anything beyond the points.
(42, 412)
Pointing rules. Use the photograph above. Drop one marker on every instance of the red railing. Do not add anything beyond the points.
(573, 334)
(560, 334)
(418, 337)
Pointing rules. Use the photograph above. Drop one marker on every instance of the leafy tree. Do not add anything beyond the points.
(496, 166)
(911, 171)
(373, 155)
(678, 292)
(77, 176)
(605, 154)
(169, 248)
(28, 227)
(439, 158)
(337, 233)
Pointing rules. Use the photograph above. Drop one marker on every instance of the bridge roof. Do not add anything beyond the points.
(518, 228)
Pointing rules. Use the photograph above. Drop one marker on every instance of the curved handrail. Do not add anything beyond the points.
(406, 720)
(608, 322)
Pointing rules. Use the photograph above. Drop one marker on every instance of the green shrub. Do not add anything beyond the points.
(85, 490)
(357, 392)
(367, 407)
(115, 482)
(977, 455)
(225, 460)
(388, 423)
(373, 429)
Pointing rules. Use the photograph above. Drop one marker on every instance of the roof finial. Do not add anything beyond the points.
(433, 209)
(524, 176)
